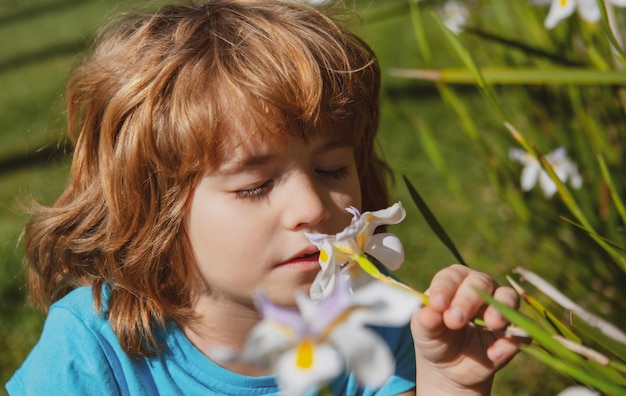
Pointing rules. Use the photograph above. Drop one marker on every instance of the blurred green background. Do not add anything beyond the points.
(39, 41)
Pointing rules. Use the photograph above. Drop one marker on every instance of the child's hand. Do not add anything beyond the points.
(453, 355)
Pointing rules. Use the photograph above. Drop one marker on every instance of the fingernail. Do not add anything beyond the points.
(457, 314)
(438, 300)
(496, 354)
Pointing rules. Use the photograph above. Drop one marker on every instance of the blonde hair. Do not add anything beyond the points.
(149, 110)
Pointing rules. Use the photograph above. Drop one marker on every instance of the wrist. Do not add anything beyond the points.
(431, 382)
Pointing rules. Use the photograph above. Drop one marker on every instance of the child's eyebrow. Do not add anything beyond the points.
(333, 144)
(247, 162)
(250, 161)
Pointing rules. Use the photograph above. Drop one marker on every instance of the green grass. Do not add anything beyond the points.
(39, 41)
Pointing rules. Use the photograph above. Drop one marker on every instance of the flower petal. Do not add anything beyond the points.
(589, 10)
(383, 305)
(387, 248)
(326, 279)
(267, 342)
(294, 379)
(530, 175)
(547, 185)
(520, 156)
(559, 10)
(367, 355)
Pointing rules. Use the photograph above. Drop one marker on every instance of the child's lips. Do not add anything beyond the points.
(305, 261)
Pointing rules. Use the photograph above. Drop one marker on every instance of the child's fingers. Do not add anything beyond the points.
(509, 297)
(452, 293)
(502, 351)
(444, 286)
(466, 303)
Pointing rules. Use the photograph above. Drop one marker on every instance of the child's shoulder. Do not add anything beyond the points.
(80, 304)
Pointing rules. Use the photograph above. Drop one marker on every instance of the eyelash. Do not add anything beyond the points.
(336, 174)
(261, 191)
(255, 193)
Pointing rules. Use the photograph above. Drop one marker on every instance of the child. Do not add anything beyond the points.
(208, 139)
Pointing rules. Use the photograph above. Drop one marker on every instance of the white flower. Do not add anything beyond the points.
(340, 253)
(310, 346)
(455, 15)
(578, 391)
(587, 9)
(565, 169)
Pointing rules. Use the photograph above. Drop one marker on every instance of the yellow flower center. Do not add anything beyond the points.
(304, 354)
(323, 256)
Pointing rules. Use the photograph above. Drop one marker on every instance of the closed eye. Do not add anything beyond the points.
(255, 193)
(336, 174)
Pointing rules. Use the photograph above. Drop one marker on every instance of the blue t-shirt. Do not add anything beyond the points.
(78, 353)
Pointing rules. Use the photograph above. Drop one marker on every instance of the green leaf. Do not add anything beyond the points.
(611, 186)
(517, 76)
(579, 374)
(549, 320)
(593, 234)
(565, 359)
(432, 221)
(613, 346)
(536, 332)
(610, 34)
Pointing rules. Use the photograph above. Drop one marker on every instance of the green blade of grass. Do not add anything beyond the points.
(536, 332)
(469, 62)
(432, 221)
(610, 34)
(516, 76)
(591, 233)
(611, 186)
(579, 374)
(615, 347)
(549, 320)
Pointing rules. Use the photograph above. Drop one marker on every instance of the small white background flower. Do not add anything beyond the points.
(455, 15)
(533, 173)
(587, 9)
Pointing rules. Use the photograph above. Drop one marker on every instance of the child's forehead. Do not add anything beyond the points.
(249, 150)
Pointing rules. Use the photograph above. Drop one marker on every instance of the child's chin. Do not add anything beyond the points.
(286, 296)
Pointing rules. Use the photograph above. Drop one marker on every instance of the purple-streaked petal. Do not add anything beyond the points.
(356, 214)
(320, 314)
(317, 239)
(279, 314)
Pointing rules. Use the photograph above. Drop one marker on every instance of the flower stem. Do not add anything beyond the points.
(365, 262)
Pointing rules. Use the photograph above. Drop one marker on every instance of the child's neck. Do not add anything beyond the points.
(222, 324)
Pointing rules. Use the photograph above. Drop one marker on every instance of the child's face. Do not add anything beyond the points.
(247, 219)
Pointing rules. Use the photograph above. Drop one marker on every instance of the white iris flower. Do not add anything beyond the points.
(344, 253)
(587, 9)
(312, 345)
(533, 173)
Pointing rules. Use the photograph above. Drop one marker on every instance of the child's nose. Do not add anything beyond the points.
(306, 206)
